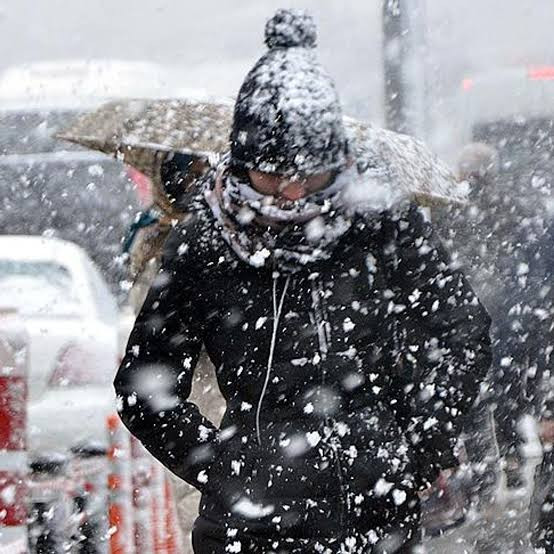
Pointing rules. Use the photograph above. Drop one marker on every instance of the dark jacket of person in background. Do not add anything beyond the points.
(501, 240)
(145, 238)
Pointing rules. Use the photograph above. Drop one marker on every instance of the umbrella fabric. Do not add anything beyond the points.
(405, 162)
(142, 132)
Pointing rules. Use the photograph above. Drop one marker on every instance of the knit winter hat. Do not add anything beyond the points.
(288, 117)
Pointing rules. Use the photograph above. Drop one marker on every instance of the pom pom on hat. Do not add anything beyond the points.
(291, 29)
(288, 117)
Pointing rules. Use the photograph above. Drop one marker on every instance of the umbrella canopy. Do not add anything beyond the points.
(405, 163)
(142, 132)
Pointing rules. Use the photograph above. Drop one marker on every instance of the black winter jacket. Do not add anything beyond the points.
(348, 377)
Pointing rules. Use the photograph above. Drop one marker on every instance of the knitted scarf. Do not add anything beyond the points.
(287, 236)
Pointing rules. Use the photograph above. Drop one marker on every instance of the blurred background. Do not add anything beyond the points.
(211, 44)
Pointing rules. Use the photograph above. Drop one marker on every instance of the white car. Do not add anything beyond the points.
(52, 188)
(73, 323)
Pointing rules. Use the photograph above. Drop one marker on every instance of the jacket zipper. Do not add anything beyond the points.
(324, 339)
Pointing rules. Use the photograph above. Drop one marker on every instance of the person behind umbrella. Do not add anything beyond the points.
(346, 347)
(178, 172)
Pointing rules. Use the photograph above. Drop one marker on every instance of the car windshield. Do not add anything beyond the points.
(37, 288)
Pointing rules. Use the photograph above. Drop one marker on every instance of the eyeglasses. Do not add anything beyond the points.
(289, 188)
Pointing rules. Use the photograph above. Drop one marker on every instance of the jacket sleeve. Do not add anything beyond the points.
(442, 347)
(154, 380)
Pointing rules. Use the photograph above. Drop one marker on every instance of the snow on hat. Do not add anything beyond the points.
(288, 117)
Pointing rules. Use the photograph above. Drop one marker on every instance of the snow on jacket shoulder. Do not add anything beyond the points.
(379, 349)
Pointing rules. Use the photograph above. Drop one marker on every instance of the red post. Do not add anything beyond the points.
(142, 497)
(120, 503)
(174, 539)
(167, 539)
(158, 508)
(13, 420)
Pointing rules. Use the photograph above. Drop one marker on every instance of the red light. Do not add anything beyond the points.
(467, 84)
(541, 73)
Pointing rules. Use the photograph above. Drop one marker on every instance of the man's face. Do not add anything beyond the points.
(288, 189)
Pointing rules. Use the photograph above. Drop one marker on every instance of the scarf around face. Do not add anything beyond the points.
(287, 235)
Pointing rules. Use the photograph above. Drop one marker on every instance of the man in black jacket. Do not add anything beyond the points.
(346, 347)
(148, 233)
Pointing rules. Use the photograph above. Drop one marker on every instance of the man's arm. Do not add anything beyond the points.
(443, 352)
(154, 380)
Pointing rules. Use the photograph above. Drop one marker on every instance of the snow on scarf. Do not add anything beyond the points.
(260, 232)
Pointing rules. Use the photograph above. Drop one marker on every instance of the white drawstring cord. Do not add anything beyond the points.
(276, 317)
(321, 322)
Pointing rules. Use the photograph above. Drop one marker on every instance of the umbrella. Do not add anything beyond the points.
(404, 162)
(142, 132)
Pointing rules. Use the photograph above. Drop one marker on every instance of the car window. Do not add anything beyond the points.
(38, 288)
